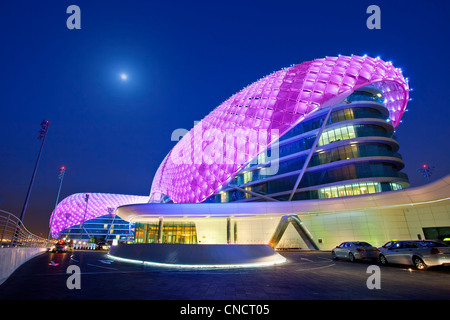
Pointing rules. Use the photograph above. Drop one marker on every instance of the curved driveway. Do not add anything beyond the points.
(307, 275)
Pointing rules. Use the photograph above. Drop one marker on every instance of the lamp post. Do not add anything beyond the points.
(62, 171)
(110, 212)
(86, 198)
(42, 135)
(426, 171)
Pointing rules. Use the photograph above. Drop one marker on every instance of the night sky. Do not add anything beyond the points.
(183, 59)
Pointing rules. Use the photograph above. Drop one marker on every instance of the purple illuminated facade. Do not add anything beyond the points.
(205, 159)
(275, 103)
(71, 211)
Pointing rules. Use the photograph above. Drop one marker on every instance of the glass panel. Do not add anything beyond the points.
(343, 134)
(248, 195)
(371, 187)
(224, 197)
(363, 188)
(349, 189)
(247, 177)
(341, 191)
(353, 189)
(351, 132)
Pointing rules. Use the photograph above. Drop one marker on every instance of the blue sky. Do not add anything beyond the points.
(183, 58)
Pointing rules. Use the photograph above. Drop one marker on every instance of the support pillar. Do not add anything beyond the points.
(228, 230)
(160, 229)
(299, 227)
(313, 149)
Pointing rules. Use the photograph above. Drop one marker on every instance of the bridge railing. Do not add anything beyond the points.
(13, 233)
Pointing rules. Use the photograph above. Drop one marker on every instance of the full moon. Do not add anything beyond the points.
(123, 76)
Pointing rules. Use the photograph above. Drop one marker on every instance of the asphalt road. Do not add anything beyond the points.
(306, 276)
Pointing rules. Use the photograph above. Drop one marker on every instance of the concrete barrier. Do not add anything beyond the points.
(12, 258)
(196, 255)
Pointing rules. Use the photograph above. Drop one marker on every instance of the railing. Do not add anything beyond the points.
(14, 234)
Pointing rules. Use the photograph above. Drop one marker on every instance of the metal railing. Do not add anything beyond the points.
(14, 234)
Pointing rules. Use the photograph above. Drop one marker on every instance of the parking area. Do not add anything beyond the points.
(306, 276)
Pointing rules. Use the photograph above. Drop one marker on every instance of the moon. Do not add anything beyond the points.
(124, 76)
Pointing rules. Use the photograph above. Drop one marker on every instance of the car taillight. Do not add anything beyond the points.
(435, 251)
(359, 249)
(375, 249)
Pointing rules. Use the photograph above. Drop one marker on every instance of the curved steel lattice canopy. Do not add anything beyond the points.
(245, 125)
(71, 211)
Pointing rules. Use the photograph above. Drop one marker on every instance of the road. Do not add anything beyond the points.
(306, 276)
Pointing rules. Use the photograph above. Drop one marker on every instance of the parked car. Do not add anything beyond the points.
(418, 253)
(355, 250)
(60, 246)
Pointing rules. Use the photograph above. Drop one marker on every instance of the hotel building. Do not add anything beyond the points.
(303, 158)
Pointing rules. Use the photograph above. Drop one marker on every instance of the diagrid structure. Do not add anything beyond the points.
(244, 126)
(276, 103)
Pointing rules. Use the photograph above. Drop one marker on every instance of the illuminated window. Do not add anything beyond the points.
(262, 157)
(351, 132)
(395, 186)
(338, 134)
(349, 189)
(346, 190)
(371, 187)
(224, 197)
(172, 232)
(248, 195)
(247, 176)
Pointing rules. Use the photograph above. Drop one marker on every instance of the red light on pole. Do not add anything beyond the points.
(426, 171)
(62, 171)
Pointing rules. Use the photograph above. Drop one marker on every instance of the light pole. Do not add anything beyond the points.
(86, 198)
(110, 212)
(426, 171)
(68, 214)
(42, 135)
(62, 171)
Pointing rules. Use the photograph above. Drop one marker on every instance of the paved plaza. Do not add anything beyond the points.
(306, 276)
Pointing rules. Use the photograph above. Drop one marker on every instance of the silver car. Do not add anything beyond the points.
(355, 250)
(419, 253)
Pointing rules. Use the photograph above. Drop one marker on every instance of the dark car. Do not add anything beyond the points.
(60, 246)
(102, 245)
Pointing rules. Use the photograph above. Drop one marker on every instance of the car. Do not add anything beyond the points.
(60, 246)
(418, 253)
(355, 250)
(102, 245)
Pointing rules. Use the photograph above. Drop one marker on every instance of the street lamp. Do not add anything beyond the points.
(42, 135)
(86, 198)
(62, 171)
(426, 171)
(110, 212)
